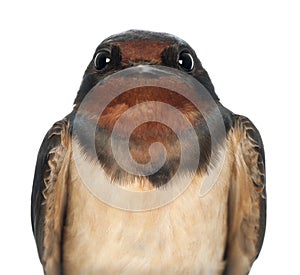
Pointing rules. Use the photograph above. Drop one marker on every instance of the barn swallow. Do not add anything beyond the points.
(220, 232)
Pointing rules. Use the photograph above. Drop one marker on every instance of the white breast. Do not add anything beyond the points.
(186, 236)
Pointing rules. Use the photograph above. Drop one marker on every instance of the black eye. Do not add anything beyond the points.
(101, 60)
(186, 61)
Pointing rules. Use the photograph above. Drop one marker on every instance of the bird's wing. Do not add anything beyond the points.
(48, 201)
(247, 198)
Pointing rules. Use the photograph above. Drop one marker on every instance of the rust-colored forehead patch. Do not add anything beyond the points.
(142, 50)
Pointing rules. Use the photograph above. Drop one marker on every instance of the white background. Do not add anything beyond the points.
(250, 49)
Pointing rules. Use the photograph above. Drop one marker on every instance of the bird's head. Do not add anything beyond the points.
(136, 47)
(150, 71)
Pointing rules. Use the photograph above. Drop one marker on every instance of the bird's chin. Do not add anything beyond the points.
(135, 96)
(141, 107)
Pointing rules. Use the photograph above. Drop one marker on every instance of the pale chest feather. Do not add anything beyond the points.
(186, 236)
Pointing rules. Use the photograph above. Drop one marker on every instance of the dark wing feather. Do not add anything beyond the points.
(49, 192)
(247, 198)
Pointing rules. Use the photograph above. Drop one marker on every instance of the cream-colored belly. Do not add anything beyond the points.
(186, 236)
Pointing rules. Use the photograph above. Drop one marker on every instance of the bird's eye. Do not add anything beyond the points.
(101, 60)
(186, 61)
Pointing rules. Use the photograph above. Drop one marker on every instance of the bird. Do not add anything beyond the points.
(213, 223)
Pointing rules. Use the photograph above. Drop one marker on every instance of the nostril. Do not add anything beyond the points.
(137, 63)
